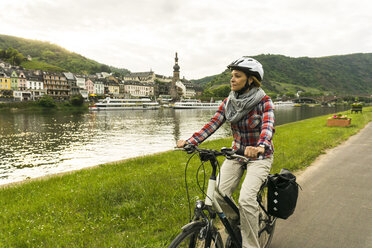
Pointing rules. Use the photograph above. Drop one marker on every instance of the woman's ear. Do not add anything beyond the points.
(250, 80)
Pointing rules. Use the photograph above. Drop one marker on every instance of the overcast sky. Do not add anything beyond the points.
(207, 34)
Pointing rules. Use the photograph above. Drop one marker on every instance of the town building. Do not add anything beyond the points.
(102, 75)
(35, 84)
(138, 89)
(4, 81)
(143, 77)
(56, 85)
(113, 88)
(80, 82)
(89, 87)
(98, 88)
(71, 81)
(22, 81)
(161, 78)
(185, 89)
(13, 80)
(146, 77)
(176, 78)
(18, 84)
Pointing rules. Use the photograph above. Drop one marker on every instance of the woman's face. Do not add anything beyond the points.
(238, 80)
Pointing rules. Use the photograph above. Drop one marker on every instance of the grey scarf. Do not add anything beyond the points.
(236, 108)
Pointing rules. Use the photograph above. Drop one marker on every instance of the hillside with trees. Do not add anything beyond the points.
(50, 57)
(342, 74)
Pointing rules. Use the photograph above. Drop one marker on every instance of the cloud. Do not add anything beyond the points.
(207, 34)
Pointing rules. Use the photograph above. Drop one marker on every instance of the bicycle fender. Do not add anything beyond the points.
(192, 224)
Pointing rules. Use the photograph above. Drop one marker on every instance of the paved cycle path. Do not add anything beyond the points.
(334, 208)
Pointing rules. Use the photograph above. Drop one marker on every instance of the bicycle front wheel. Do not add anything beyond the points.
(194, 237)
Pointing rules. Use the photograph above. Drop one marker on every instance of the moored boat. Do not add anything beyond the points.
(195, 104)
(125, 104)
(284, 104)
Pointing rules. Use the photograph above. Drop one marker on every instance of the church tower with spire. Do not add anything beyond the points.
(176, 77)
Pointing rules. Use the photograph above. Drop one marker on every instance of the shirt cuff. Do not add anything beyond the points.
(264, 143)
(192, 141)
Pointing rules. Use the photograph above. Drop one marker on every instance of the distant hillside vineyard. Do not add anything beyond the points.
(342, 74)
(51, 57)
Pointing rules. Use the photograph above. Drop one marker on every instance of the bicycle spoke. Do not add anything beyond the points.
(195, 238)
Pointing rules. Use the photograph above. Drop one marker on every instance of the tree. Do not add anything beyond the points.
(306, 94)
(18, 59)
(273, 95)
(105, 68)
(47, 102)
(207, 93)
(290, 94)
(77, 100)
(2, 53)
(12, 56)
(222, 91)
(48, 55)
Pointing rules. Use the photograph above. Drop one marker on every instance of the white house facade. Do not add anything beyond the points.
(98, 88)
(186, 89)
(137, 89)
(80, 82)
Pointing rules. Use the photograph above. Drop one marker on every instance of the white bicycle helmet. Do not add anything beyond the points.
(249, 66)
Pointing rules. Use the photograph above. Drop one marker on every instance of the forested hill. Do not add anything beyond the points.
(342, 74)
(51, 57)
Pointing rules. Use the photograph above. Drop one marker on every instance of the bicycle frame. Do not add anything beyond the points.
(214, 209)
(211, 205)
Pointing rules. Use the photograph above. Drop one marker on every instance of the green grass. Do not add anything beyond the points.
(286, 87)
(39, 65)
(139, 202)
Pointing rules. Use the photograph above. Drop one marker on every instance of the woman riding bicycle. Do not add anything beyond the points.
(251, 115)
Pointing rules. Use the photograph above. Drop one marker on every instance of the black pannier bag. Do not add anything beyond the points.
(282, 194)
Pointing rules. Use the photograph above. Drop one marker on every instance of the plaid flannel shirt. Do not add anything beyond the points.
(254, 129)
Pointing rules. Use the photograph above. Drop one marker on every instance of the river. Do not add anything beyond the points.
(38, 144)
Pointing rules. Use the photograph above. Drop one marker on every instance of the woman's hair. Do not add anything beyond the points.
(256, 82)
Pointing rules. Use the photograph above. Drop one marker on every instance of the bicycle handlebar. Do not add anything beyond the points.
(229, 153)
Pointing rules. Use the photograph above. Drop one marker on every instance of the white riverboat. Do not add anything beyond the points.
(284, 104)
(195, 104)
(125, 104)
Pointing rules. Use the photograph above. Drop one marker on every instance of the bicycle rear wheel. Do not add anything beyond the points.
(266, 223)
(194, 237)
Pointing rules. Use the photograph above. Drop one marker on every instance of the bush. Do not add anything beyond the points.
(47, 102)
(77, 100)
(357, 105)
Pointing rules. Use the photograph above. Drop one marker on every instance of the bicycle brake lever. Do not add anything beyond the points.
(189, 148)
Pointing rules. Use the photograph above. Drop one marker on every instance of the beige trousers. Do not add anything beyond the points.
(228, 180)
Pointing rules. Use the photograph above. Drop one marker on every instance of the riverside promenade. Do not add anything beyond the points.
(334, 208)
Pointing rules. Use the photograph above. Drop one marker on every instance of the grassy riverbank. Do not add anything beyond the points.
(138, 202)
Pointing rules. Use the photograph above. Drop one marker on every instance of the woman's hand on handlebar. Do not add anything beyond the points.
(253, 152)
(181, 143)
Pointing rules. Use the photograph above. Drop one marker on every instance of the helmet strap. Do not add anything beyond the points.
(245, 88)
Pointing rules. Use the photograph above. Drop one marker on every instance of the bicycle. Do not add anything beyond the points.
(202, 231)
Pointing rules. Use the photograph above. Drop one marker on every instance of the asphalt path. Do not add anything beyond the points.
(334, 208)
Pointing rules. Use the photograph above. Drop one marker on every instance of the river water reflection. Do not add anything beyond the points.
(38, 144)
